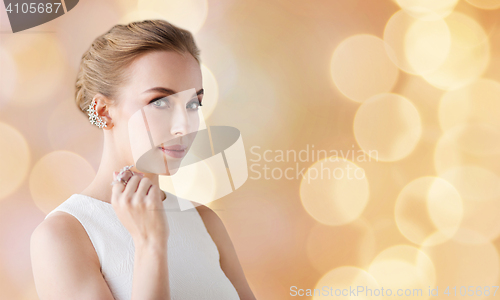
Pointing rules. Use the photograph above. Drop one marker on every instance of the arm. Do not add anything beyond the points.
(66, 266)
(139, 207)
(228, 259)
(150, 273)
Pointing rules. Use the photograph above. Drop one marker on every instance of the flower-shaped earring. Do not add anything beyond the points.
(94, 117)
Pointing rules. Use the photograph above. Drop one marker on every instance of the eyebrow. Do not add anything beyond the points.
(168, 91)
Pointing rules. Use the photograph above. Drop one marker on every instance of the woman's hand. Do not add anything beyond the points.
(139, 206)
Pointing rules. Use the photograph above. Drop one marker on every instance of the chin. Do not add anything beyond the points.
(169, 172)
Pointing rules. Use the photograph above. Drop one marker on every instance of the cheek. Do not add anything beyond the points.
(120, 115)
(122, 134)
(194, 122)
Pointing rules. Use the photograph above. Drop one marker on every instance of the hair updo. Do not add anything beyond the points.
(102, 66)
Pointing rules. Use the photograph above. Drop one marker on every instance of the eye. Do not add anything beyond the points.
(193, 105)
(159, 102)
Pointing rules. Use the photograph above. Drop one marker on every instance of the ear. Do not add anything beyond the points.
(102, 109)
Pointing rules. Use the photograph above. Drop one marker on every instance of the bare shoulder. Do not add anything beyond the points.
(62, 230)
(57, 221)
(64, 262)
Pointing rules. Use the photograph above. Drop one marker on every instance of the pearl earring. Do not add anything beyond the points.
(93, 117)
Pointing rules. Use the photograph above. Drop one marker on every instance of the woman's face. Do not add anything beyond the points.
(171, 122)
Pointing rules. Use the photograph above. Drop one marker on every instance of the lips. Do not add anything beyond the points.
(175, 151)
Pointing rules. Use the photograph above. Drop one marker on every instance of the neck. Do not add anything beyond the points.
(111, 161)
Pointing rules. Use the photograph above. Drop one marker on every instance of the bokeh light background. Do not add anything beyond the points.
(416, 81)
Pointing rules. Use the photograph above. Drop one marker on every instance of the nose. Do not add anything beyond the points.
(179, 121)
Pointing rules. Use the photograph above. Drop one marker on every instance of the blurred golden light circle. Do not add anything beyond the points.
(474, 183)
(428, 9)
(345, 278)
(428, 205)
(14, 159)
(479, 139)
(416, 46)
(480, 191)
(476, 143)
(361, 68)
(485, 4)
(463, 264)
(58, 175)
(387, 126)
(415, 87)
(478, 102)
(211, 89)
(469, 54)
(353, 244)
(189, 14)
(334, 191)
(41, 67)
(403, 267)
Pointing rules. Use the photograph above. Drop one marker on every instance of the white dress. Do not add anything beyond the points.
(193, 259)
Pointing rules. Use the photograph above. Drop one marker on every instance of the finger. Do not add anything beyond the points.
(144, 186)
(154, 192)
(115, 181)
(116, 191)
(118, 187)
(132, 184)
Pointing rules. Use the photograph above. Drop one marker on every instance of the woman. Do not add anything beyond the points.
(131, 240)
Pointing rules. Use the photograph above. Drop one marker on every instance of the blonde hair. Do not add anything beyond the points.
(102, 66)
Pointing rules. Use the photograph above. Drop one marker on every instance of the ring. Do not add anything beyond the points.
(120, 176)
(120, 181)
